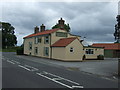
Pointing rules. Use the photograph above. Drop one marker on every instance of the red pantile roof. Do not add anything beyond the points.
(42, 33)
(111, 46)
(63, 42)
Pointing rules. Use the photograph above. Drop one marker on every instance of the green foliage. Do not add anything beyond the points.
(8, 37)
(9, 49)
(117, 30)
(20, 50)
(66, 27)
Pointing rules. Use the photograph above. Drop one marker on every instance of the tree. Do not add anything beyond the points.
(117, 30)
(66, 27)
(8, 37)
(117, 38)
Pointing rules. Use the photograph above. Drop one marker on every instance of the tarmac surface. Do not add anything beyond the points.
(20, 71)
(107, 68)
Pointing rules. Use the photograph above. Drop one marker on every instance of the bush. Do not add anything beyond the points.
(19, 51)
(100, 57)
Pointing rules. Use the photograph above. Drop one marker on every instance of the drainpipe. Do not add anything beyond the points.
(118, 66)
(50, 48)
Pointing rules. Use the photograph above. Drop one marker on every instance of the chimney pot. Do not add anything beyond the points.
(42, 28)
(36, 30)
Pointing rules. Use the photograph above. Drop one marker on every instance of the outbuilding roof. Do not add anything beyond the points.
(42, 33)
(63, 42)
(110, 46)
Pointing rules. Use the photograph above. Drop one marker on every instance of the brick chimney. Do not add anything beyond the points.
(42, 28)
(36, 30)
(61, 22)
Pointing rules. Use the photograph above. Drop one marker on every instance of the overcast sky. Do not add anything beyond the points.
(93, 20)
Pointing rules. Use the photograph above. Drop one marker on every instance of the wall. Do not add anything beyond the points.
(108, 53)
(77, 55)
(39, 45)
(58, 53)
(70, 35)
(97, 51)
(54, 38)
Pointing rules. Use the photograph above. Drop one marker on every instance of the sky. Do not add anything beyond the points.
(93, 20)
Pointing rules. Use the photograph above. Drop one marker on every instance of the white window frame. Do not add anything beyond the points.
(46, 39)
(46, 50)
(71, 49)
(89, 51)
(30, 45)
(36, 40)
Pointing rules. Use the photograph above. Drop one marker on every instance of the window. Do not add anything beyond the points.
(89, 51)
(30, 45)
(46, 51)
(39, 40)
(36, 50)
(36, 40)
(46, 39)
(71, 49)
(61, 34)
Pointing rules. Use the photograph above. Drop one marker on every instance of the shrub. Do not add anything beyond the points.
(100, 57)
(19, 51)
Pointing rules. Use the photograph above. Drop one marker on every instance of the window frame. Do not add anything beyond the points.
(36, 40)
(36, 50)
(89, 51)
(46, 51)
(71, 49)
(30, 45)
(46, 39)
(61, 34)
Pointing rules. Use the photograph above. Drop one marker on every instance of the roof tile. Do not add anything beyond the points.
(111, 46)
(42, 33)
(63, 42)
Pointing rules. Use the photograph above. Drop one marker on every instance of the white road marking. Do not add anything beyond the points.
(59, 78)
(33, 68)
(15, 61)
(77, 86)
(24, 67)
(10, 62)
(54, 80)
(62, 78)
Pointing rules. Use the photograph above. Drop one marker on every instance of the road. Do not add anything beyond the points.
(20, 73)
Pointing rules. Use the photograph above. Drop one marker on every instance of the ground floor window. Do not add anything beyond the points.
(36, 50)
(46, 51)
(89, 51)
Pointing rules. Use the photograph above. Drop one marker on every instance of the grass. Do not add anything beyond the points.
(8, 50)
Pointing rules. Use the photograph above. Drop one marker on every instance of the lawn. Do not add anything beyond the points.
(8, 50)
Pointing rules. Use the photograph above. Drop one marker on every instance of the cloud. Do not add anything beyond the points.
(89, 19)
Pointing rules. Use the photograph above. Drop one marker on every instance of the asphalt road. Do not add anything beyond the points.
(20, 73)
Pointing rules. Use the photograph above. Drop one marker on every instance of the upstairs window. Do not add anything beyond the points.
(39, 40)
(36, 40)
(30, 45)
(71, 49)
(89, 51)
(61, 34)
(46, 39)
